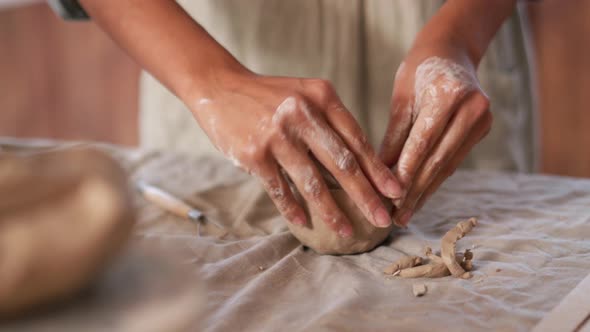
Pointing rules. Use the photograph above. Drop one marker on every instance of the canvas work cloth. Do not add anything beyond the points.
(358, 46)
(531, 249)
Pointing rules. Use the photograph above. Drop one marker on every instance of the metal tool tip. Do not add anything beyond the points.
(196, 215)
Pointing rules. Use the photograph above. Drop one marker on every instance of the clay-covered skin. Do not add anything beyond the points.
(319, 237)
(63, 216)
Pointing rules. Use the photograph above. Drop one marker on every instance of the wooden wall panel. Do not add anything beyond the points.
(64, 80)
(561, 31)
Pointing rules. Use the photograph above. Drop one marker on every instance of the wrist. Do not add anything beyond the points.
(444, 46)
(467, 26)
(210, 81)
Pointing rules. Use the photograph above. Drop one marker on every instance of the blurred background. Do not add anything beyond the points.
(69, 81)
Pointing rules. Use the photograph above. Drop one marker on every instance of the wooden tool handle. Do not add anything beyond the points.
(167, 202)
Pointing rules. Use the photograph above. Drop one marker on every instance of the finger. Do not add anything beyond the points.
(322, 94)
(380, 176)
(400, 121)
(478, 133)
(331, 151)
(312, 187)
(430, 123)
(458, 130)
(280, 193)
(398, 129)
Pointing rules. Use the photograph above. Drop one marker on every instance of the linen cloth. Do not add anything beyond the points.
(531, 248)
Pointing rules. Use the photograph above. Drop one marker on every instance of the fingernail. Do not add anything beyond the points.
(405, 218)
(397, 202)
(345, 231)
(382, 218)
(393, 189)
(299, 221)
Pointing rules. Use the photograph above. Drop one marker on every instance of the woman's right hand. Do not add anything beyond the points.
(267, 125)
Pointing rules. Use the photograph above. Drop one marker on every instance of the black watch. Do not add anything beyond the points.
(68, 9)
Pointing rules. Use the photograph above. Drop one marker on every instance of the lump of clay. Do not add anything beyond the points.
(63, 215)
(323, 240)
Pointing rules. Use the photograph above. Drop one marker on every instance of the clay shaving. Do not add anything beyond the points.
(419, 289)
(402, 263)
(448, 263)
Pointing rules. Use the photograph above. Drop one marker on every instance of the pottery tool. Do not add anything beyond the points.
(175, 205)
(168, 202)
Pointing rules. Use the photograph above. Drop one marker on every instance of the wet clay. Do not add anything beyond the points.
(63, 215)
(318, 236)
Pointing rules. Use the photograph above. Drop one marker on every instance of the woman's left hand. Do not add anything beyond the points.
(438, 114)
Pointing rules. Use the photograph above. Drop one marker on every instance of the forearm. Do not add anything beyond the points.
(166, 41)
(468, 24)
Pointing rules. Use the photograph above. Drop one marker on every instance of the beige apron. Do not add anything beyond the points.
(357, 45)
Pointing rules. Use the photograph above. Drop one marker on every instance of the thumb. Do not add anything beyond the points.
(398, 129)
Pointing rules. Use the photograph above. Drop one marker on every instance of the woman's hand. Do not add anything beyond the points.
(439, 111)
(269, 126)
(438, 114)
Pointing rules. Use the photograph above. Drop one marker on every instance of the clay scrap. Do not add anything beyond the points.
(433, 266)
(419, 289)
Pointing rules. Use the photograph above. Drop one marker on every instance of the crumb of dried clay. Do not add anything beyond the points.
(419, 289)
(261, 268)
